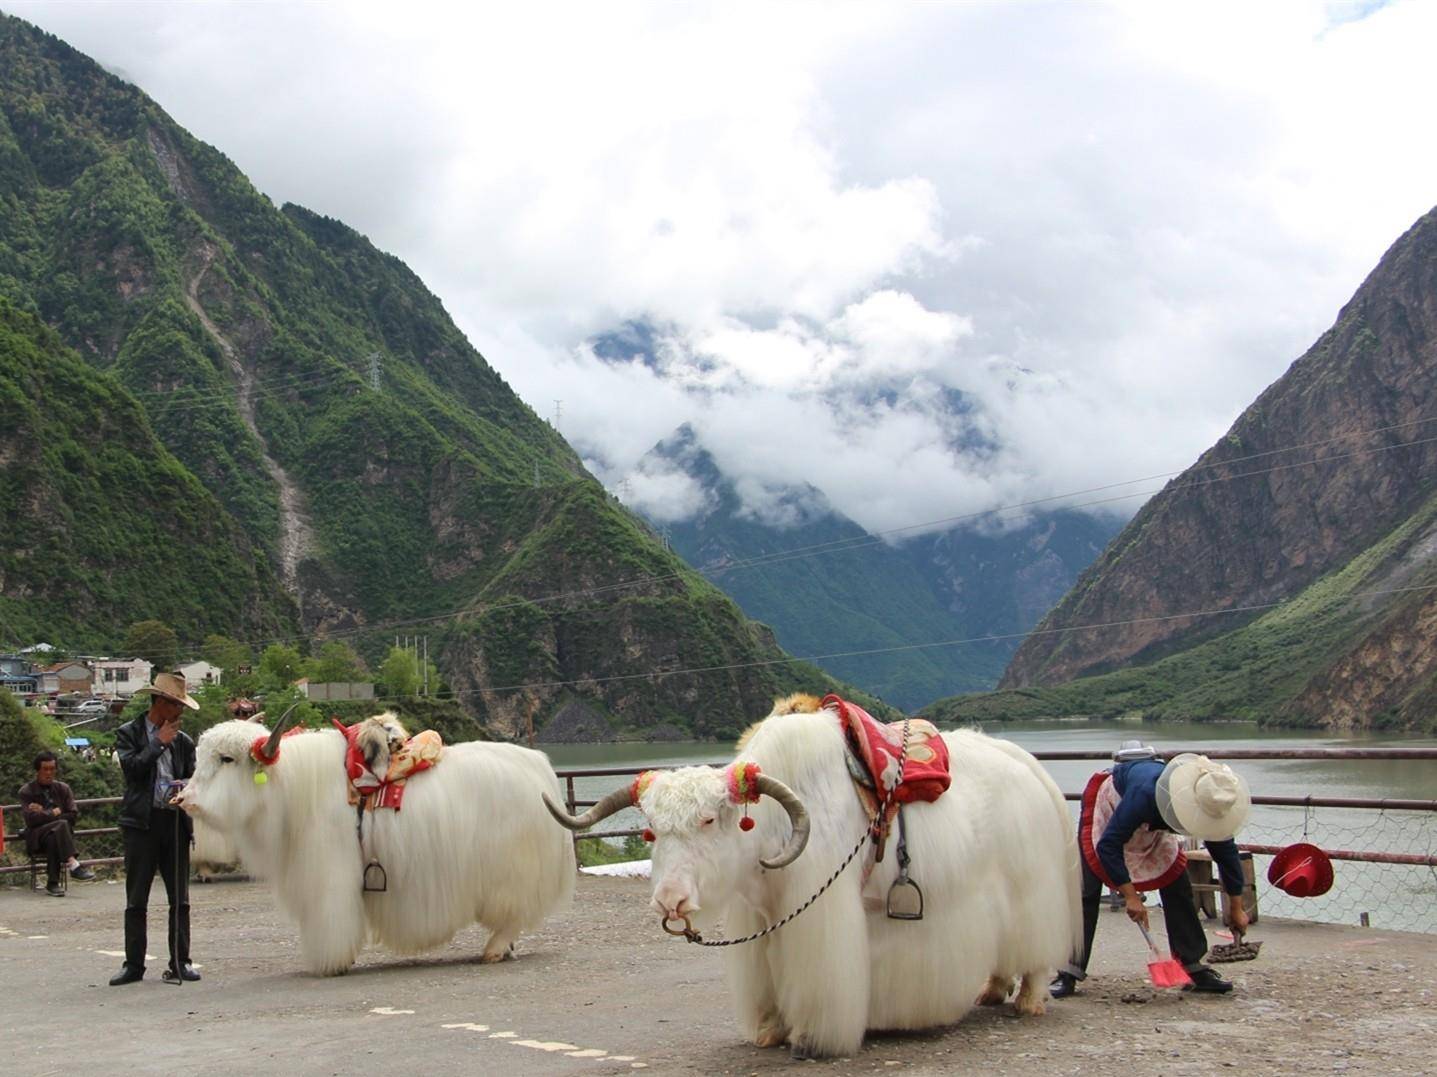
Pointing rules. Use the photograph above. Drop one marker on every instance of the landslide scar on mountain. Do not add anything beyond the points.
(296, 531)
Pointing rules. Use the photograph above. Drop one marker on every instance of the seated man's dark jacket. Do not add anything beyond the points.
(36, 800)
(1136, 783)
(138, 759)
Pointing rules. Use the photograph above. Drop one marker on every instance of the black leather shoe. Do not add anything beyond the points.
(1209, 982)
(188, 974)
(1063, 985)
(82, 873)
(127, 975)
(54, 890)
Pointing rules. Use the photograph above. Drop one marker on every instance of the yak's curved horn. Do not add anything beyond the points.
(797, 815)
(271, 746)
(616, 801)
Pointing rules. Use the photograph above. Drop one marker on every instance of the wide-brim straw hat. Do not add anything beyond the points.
(1205, 800)
(170, 686)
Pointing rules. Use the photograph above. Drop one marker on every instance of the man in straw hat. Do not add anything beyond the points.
(155, 755)
(1189, 795)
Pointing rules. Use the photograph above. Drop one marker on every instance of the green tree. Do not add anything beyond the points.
(280, 666)
(399, 674)
(336, 661)
(229, 654)
(155, 642)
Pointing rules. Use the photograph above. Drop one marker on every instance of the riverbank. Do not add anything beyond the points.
(601, 991)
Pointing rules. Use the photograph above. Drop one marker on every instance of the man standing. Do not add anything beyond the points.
(50, 814)
(154, 756)
(1149, 802)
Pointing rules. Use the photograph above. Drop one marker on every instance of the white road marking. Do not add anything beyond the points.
(541, 1045)
(121, 953)
(389, 1011)
(37, 936)
(569, 1050)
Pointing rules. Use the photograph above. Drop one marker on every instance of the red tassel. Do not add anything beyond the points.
(649, 835)
(745, 823)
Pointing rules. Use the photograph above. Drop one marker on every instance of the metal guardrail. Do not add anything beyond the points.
(568, 775)
(103, 861)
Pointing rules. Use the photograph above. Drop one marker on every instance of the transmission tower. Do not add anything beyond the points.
(374, 371)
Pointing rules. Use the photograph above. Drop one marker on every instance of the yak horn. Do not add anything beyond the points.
(271, 746)
(797, 815)
(616, 801)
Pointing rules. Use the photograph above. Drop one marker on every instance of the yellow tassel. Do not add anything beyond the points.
(260, 777)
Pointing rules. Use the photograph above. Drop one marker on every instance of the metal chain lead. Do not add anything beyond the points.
(874, 820)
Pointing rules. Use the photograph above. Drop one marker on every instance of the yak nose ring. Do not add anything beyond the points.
(685, 931)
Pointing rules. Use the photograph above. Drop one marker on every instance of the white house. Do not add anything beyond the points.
(200, 672)
(120, 676)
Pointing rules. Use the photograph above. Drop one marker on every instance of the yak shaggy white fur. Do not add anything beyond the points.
(472, 842)
(996, 857)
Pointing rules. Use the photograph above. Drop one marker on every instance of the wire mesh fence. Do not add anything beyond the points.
(1395, 896)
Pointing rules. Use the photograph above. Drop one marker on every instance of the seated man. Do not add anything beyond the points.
(50, 814)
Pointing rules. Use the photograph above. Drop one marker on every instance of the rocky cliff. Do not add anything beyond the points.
(1333, 460)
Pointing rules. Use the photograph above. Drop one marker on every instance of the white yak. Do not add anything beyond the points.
(471, 841)
(995, 855)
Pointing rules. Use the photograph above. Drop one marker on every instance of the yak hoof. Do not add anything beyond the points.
(800, 1051)
(1031, 1001)
(996, 993)
(493, 958)
(770, 1036)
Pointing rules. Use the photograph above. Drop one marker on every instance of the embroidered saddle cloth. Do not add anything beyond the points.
(420, 752)
(875, 766)
(1154, 858)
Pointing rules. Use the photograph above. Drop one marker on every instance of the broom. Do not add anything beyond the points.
(1164, 972)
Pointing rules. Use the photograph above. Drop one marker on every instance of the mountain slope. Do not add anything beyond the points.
(829, 587)
(249, 335)
(1322, 488)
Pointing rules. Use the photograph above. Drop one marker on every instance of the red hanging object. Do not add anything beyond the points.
(649, 835)
(746, 823)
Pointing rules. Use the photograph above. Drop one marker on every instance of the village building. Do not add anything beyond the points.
(200, 672)
(120, 676)
(66, 678)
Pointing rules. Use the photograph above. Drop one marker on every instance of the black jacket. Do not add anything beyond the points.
(138, 759)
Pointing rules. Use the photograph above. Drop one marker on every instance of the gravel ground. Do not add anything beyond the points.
(602, 991)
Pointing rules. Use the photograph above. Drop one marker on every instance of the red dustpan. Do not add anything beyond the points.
(1164, 971)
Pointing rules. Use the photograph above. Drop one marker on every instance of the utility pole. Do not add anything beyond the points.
(374, 371)
(426, 666)
(558, 413)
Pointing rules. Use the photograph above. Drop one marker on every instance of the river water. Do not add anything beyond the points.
(1398, 897)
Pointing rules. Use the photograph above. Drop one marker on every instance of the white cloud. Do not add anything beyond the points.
(1107, 226)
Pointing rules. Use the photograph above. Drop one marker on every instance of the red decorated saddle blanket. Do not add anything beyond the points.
(420, 752)
(877, 760)
(1154, 858)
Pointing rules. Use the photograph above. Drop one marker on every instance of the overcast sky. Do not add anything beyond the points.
(929, 258)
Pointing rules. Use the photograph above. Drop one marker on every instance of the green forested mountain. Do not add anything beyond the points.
(854, 592)
(208, 349)
(1307, 537)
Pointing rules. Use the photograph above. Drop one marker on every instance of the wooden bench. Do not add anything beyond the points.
(1200, 874)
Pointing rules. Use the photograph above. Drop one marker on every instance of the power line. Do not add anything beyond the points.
(870, 539)
(260, 384)
(992, 638)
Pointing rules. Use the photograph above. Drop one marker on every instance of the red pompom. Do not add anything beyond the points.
(649, 835)
(745, 823)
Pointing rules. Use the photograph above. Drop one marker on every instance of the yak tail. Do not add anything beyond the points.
(1072, 867)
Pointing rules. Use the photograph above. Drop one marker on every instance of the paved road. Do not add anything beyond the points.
(601, 991)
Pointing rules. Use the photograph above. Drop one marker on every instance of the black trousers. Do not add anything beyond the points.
(1186, 938)
(58, 841)
(164, 847)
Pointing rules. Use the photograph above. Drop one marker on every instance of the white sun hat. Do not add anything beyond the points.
(1203, 799)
